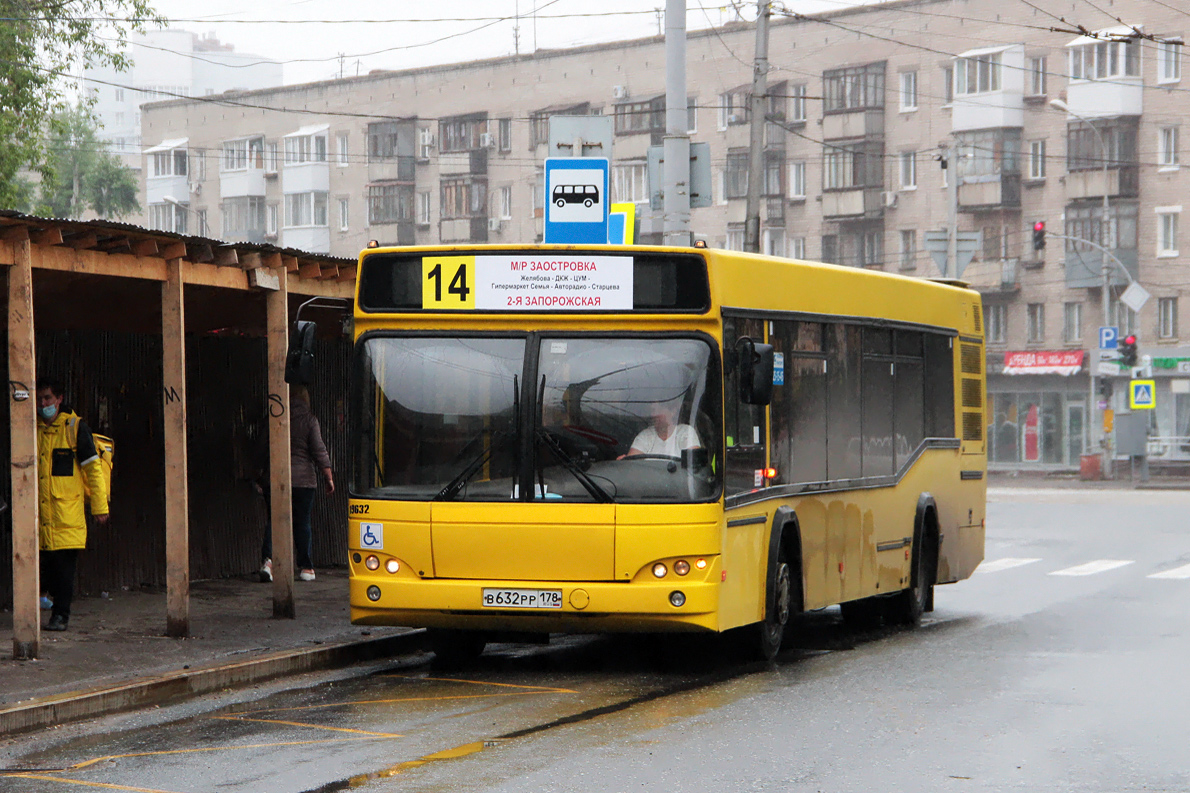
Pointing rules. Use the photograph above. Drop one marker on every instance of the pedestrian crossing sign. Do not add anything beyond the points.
(1142, 395)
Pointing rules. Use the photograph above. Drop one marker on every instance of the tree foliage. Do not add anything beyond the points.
(82, 173)
(43, 44)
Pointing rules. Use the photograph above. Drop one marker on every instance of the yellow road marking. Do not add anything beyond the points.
(234, 717)
(485, 683)
(86, 763)
(387, 702)
(85, 784)
(447, 754)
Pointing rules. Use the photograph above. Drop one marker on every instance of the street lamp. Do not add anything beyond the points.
(1104, 233)
(204, 229)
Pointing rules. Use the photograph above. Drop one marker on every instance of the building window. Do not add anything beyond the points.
(242, 216)
(424, 200)
(344, 219)
(505, 130)
(1167, 147)
(170, 163)
(305, 209)
(463, 198)
(1036, 324)
(630, 182)
(204, 228)
(1037, 74)
(772, 242)
(797, 179)
(1072, 322)
(797, 103)
(734, 108)
(305, 148)
(1167, 317)
(1104, 60)
(908, 249)
(539, 120)
(119, 94)
(989, 152)
(797, 247)
(1123, 317)
(908, 170)
(908, 90)
(948, 84)
(390, 203)
(644, 116)
(772, 174)
(461, 133)
(849, 165)
(979, 74)
(341, 142)
(996, 322)
(855, 88)
(270, 227)
(830, 248)
(736, 179)
(1084, 222)
(506, 202)
(168, 217)
(1169, 61)
(692, 114)
(270, 157)
(1037, 159)
(871, 248)
(425, 143)
(1167, 232)
(735, 239)
(242, 154)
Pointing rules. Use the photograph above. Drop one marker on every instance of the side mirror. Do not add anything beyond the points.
(299, 361)
(755, 361)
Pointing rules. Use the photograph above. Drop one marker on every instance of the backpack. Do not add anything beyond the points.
(105, 448)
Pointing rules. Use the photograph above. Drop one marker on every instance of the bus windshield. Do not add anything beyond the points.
(623, 419)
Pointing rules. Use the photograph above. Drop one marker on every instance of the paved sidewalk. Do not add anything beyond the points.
(115, 654)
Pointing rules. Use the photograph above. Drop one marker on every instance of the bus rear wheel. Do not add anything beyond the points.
(455, 648)
(907, 606)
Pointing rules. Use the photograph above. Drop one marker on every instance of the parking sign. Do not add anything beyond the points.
(1109, 337)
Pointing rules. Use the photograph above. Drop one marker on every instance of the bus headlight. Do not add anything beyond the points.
(681, 567)
(392, 565)
(374, 593)
(372, 563)
(701, 564)
(677, 599)
(660, 570)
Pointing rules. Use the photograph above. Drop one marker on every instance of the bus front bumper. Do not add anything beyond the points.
(587, 607)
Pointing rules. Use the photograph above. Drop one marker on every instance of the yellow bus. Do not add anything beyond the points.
(649, 439)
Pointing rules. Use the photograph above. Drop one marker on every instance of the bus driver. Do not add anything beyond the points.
(664, 436)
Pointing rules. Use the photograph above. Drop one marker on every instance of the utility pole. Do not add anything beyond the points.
(952, 213)
(676, 144)
(760, 70)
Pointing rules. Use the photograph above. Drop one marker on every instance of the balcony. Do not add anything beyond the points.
(1002, 192)
(243, 182)
(1122, 182)
(474, 162)
(774, 211)
(392, 169)
(1084, 268)
(1004, 106)
(473, 229)
(856, 124)
(315, 239)
(860, 202)
(306, 177)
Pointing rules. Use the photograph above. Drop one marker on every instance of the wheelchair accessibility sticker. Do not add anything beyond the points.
(371, 536)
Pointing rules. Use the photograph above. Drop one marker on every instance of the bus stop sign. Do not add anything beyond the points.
(576, 196)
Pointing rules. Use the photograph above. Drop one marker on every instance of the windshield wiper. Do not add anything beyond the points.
(571, 465)
(498, 438)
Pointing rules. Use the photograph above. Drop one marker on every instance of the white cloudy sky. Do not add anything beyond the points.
(382, 35)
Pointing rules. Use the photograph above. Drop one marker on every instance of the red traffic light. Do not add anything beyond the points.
(1130, 340)
(1039, 225)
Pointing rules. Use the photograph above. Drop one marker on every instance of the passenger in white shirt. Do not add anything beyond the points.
(665, 436)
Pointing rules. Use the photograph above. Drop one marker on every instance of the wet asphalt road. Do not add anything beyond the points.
(1061, 666)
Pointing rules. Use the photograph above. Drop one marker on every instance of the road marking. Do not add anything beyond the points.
(1003, 564)
(1177, 572)
(1091, 568)
(105, 785)
(312, 726)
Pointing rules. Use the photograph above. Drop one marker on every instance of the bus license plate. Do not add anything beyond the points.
(522, 598)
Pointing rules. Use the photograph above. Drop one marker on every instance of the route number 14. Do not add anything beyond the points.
(447, 282)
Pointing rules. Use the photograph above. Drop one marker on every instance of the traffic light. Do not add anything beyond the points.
(1128, 351)
(1039, 235)
(1105, 388)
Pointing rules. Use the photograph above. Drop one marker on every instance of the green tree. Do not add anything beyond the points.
(81, 173)
(42, 44)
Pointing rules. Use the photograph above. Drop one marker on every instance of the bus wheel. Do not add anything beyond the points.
(455, 648)
(907, 606)
(768, 634)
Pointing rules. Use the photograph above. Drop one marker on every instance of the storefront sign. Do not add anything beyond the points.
(1063, 362)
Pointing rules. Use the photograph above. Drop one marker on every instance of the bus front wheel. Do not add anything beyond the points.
(455, 648)
(766, 636)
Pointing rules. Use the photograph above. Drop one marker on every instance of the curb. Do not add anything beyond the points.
(175, 686)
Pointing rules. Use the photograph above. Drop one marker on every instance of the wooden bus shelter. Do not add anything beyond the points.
(104, 274)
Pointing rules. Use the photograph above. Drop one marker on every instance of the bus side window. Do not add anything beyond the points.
(747, 433)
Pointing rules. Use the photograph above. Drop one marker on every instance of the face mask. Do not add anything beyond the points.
(49, 411)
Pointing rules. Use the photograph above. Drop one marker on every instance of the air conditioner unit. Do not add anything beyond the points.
(889, 198)
(486, 140)
(619, 92)
(196, 188)
(735, 118)
(493, 224)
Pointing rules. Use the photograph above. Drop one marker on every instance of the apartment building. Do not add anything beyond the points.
(861, 102)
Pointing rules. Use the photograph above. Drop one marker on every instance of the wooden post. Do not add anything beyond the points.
(26, 578)
(277, 307)
(177, 508)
